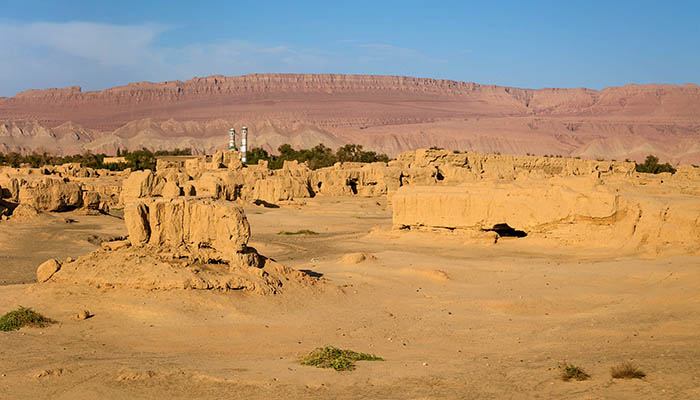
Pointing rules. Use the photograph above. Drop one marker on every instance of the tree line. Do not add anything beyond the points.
(317, 157)
(136, 160)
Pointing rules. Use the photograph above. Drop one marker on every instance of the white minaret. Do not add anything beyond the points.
(244, 143)
(232, 139)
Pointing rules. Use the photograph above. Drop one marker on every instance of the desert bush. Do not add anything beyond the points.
(332, 357)
(651, 166)
(299, 232)
(22, 317)
(627, 370)
(570, 371)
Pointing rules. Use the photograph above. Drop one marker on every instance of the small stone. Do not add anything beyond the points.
(83, 315)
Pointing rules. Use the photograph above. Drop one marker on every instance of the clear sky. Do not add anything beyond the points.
(98, 44)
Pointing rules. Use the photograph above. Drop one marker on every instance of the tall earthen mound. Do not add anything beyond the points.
(184, 243)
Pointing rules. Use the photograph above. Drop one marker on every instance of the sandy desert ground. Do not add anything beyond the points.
(453, 318)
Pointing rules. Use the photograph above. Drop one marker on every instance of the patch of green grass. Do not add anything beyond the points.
(299, 232)
(627, 370)
(14, 320)
(339, 360)
(570, 371)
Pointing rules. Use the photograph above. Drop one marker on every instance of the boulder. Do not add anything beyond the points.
(46, 270)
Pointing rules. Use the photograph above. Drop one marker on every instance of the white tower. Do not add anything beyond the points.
(232, 139)
(244, 143)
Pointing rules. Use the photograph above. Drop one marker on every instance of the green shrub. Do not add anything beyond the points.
(21, 317)
(332, 357)
(570, 371)
(299, 232)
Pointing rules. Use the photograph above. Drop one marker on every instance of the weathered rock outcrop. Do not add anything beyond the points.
(570, 212)
(191, 223)
(52, 194)
(9, 188)
(182, 243)
(280, 188)
(139, 184)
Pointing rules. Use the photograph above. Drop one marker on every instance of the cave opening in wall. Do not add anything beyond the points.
(505, 230)
(352, 183)
(438, 175)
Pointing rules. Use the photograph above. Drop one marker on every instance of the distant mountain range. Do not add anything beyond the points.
(384, 113)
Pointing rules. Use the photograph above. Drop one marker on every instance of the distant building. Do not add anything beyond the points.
(113, 160)
(176, 161)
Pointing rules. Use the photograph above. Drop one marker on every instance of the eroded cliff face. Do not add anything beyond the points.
(385, 113)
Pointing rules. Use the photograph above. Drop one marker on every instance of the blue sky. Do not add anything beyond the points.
(98, 44)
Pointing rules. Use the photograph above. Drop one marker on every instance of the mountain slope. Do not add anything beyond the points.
(385, 113)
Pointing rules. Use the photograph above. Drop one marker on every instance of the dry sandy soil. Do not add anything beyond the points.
(452, 320)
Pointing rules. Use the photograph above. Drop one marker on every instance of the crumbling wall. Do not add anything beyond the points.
(195, 223)
(568, 211)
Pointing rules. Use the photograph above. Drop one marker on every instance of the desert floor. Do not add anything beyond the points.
(452, 319)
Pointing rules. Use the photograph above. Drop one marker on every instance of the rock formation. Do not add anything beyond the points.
(183, 243)
(57, 188)
(573, 211)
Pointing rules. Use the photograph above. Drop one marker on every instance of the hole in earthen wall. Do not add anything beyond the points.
(505, 230)
(439, 175)
(353, 185)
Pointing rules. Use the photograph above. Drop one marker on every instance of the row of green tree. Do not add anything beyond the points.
(138, 159)
(318, 156)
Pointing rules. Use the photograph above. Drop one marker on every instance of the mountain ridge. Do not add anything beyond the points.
(384, 113)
